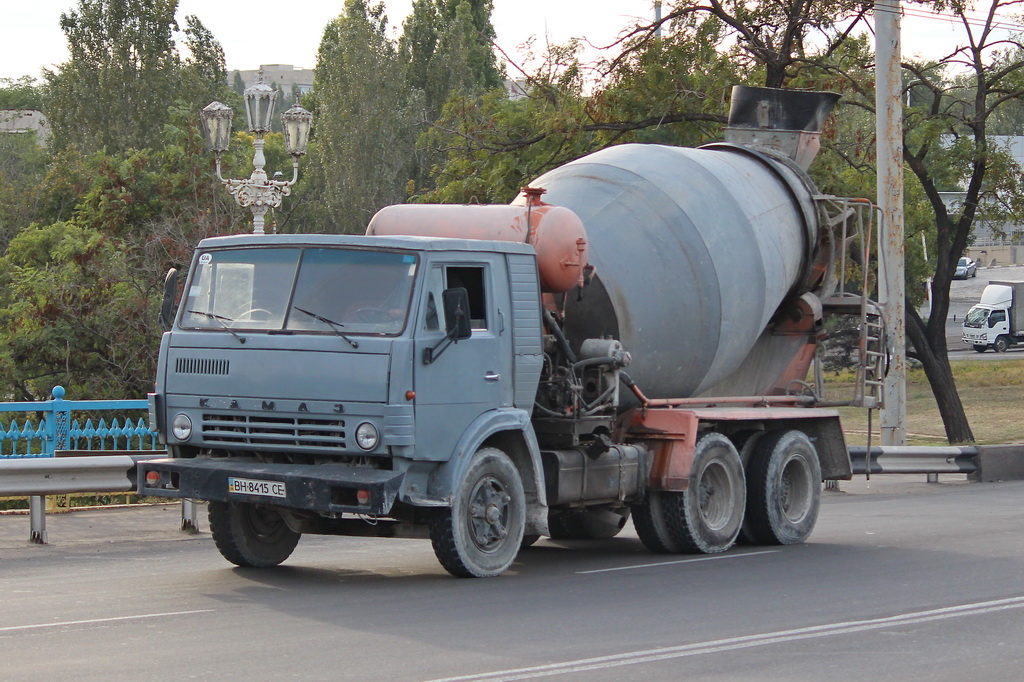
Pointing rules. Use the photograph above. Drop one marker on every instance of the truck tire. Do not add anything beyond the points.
(588, 523)
(1001, 344)
(783, 490)
(707, 516)
(980, 348)
(251, 535)
(480, 535)
(651, 525)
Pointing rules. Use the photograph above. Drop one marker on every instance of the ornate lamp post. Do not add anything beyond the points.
(257, 192)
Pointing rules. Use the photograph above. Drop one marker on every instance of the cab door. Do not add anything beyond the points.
(468, 377)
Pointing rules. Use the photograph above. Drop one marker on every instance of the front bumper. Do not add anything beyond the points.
(979, 340)
(322, 488)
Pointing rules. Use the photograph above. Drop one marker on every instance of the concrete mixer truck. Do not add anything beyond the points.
(631, 337)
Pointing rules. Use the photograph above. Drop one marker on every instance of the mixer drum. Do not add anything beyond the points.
(695, 250)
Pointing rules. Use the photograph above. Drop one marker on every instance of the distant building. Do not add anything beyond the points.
(285, 76)
(517, 88)
(25, 121)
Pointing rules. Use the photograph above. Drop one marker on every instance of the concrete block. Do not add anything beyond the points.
(999, 463)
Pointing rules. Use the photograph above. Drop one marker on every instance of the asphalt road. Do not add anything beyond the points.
(901, 580)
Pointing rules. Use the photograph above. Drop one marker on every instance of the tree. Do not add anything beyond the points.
(115, 90)
(204, 71)
(20, 93)
(124, 73)
(364, 129)
(947, 139)
(775, 38)
(673, 91)
(79, 295)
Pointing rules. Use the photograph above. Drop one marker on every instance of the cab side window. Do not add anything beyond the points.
(471, 278)
(996, 317)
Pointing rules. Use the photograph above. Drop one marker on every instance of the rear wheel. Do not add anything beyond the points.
(783, 489)
(706, 517)
(480, 535)
(251, 535)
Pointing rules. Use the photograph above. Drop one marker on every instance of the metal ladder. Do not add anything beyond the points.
(873, 357)
(850, 223)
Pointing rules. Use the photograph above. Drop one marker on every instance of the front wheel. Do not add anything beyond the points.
(251, 535)
(480, 535)
(980, 348)
(1001, 344)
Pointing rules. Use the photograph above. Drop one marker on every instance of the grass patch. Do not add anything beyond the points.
(991, 392)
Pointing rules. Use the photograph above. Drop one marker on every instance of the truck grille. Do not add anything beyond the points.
(212, 366)
(277, 432)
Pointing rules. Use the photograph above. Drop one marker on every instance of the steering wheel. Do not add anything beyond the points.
(371, 315)
(254, 315)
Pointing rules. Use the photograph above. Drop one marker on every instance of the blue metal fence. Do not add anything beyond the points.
(54, 429)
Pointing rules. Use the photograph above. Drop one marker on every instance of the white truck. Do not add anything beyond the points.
(997, 321)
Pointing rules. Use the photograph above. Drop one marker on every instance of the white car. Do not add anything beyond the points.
(966, 268)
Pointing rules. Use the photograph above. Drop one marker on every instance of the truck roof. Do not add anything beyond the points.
(401, 242)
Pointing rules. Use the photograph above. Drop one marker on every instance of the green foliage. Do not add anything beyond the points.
(20, 93)
(79, 295)
(124, 74)
(22, 169)
(364, 132)
(493, 144)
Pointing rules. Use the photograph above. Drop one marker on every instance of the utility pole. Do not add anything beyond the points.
(889, 134)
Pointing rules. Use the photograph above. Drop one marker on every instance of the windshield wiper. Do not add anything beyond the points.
(221, 320)
(335, 326)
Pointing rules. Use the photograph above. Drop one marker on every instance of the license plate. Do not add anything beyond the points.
(250, 486)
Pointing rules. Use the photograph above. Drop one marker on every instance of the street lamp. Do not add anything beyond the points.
(257, 192)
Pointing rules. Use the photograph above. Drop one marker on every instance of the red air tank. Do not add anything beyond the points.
(556, 233)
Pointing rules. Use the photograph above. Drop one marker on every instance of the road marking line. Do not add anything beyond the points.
(680, 561)
(93, 621)
(744, 642)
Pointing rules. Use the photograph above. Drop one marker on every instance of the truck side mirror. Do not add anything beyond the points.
(167, 306)
(456, 313)
(456, 322)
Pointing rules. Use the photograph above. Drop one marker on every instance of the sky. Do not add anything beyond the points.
(255, 32)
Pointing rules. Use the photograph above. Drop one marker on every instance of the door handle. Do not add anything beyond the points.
(492, 376)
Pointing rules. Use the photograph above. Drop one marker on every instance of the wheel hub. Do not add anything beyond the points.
(489, 514)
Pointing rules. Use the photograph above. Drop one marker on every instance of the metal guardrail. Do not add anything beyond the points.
(98, 472)
(910, 459)
(34, 457)
(102, 473)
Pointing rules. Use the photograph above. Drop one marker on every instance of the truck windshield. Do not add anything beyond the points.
(339, 291)
(976, 317)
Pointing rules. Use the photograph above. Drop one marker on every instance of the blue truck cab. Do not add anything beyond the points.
(321, 377)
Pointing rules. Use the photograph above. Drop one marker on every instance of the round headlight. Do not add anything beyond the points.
(367, 436)
(181, 427)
